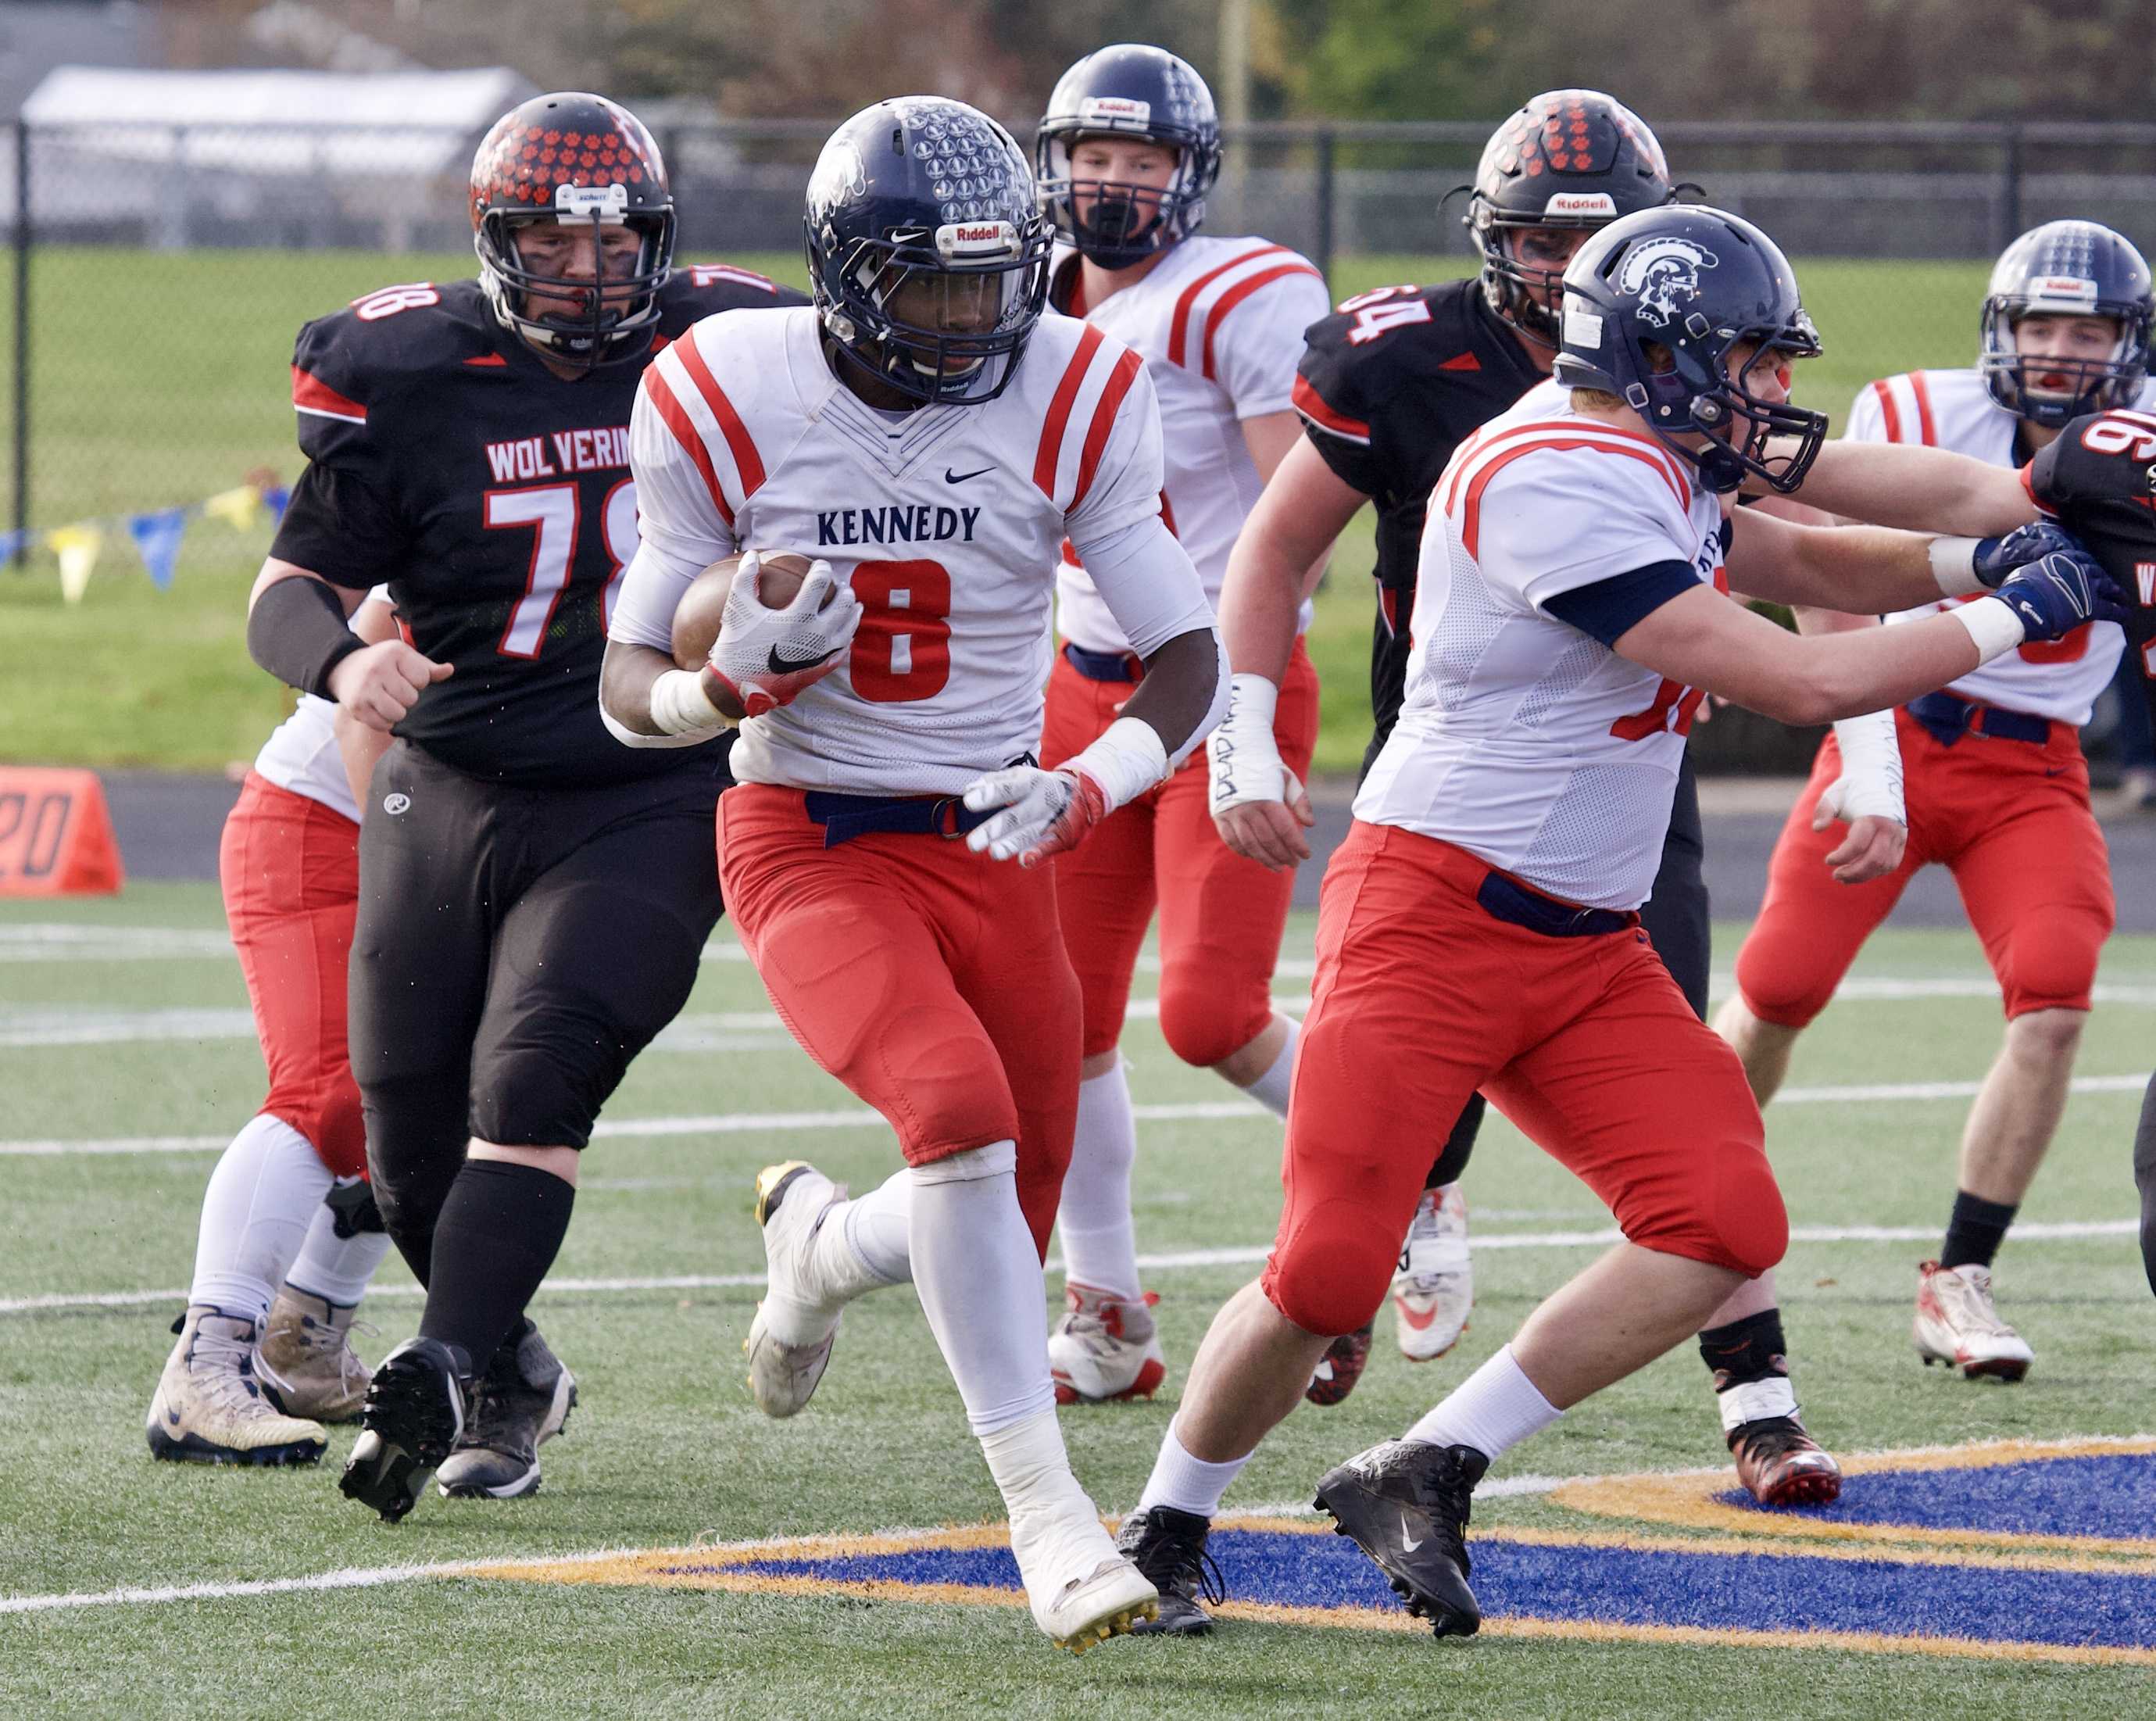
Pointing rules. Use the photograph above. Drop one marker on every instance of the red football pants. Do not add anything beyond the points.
(1221, 916)
(289, 870)
(930, 979)
(1422, 997)
(2011, 820)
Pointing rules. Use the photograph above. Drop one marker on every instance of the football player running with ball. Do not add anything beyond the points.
(1127, 150)
(1995, 788)
(1479, 928)
(933, 438)
(1390, 386)
(533, 897)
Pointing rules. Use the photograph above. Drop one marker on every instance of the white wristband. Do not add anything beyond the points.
(1871, 767)
(1253, 700)
(1994, 627)
(681, 706)
(1953, 566)
(1126, 759)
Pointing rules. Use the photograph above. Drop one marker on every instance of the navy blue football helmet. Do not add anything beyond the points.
(2067, 269)
(1654, 303)
(921, 207)
(1568, 158)
(1128, 91)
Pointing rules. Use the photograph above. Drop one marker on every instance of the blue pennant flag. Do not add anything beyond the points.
(276, 497)
(157, 538)
(10, 542)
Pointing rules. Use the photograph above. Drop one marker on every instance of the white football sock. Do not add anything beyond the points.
(1495, 1408)
(981, 1286)
(867, 1249)
(261, 1199)
(1270, 1089)
(1186, 1483)
(336, 1269)
(1100, 1241)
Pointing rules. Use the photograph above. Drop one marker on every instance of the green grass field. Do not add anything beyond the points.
(667, 1450)
(132, 413)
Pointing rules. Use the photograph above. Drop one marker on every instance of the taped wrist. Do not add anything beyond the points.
(296, 630)
(1871, 767)
(1126, 759)
(1954, 566)
(1992, 625)
(681, 706)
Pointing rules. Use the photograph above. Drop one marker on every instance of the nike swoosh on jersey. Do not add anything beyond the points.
(951, 477)
(790, 666)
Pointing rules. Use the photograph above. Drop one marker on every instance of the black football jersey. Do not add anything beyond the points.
(2099, 477)
(494, 499)
(1390, 386)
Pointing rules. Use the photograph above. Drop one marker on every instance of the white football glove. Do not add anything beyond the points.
(765, 656)
(1045, 812)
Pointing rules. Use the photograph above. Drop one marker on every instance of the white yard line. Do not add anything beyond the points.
(1168, 1261)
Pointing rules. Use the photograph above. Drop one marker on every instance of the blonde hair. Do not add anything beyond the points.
(1594, 400)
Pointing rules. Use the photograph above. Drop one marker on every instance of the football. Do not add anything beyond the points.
(703, 605)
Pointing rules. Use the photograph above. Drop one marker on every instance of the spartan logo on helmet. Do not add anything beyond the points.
(1663, 276)
(839, 174)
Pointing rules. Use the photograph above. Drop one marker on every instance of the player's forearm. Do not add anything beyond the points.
(1918, 488)
(1261, 606)
(1848, 674)
(629, 675)
(1859, 570)
(1185, 692)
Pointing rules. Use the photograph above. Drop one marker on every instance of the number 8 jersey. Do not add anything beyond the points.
(1523, 740)
(946, 520)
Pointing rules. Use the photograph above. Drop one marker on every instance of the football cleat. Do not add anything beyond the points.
(1115, 1599)
(306, 1363)
(791, 1201)
(1340, 1367)
(1405, 1502)
(1105, 1347)
(1781, 1465)
(1169, 1546)
(414, 1416)
(1435, 1289)
(1081, 1589)
(210, 1407)
(1957, 1325)
(520, 1402)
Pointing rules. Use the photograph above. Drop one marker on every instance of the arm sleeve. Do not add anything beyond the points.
(1146, 580)
(1337, 417)
(680, 531)
(1127, 485)
(1556, 520)
(1609, 608)
(1257, 340)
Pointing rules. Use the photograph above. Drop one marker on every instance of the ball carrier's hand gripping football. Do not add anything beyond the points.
(764, 657)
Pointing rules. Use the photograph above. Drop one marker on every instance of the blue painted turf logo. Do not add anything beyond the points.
(2059, 1537)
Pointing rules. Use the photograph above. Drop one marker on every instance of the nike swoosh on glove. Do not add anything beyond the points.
(1995, 559)
(2054, 596)
(767, 657)
(1043, 811)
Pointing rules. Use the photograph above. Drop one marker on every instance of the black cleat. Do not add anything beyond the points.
(1405, 1504)
(414, 1415)
(1169, 1548)
(521, 1399)
(1340, 1367)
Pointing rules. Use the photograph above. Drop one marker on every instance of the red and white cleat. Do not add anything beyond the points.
(1434, 1290)
(1781, 1465)
(1105, 1347)
(1956, 1324)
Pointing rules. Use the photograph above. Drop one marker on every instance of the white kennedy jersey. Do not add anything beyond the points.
(301, 753)
(946, 520)
(1220, 325)
(2058, 679)
(1523, 740)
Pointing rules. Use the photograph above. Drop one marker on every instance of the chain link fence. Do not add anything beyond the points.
(159, 272)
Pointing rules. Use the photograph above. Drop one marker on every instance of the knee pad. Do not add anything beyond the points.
(1205, 1024)
(1329, 1274)
(415, 1146)
(2051, 960)
(341, 1129)
(1778, 985)
(534, 1097)
(1747, 1223)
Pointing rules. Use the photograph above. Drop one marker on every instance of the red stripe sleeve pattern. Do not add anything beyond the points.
(311, 394)
(746, 461)
(1178, 333)
(677, 420)
(1237, 293)
(1118, 385)
(1312, 405)
(1050, 455)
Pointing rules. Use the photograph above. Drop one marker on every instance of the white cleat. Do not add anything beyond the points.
(1957, 1325)
(208, 1408)
(1105, 1347)
(1434, 1290)
(1091, 1610)
(1082, 1591)
(791, 1201)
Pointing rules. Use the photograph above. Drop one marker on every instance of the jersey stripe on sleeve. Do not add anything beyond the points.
(1237, 293)
(1179, 329)
(677, 420)
(1118, 384)
(1504, 450)
(1889, 413)
(1312, 405)
(1050, 455)
(312, 395)
(1926, 431)
(747, 463)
